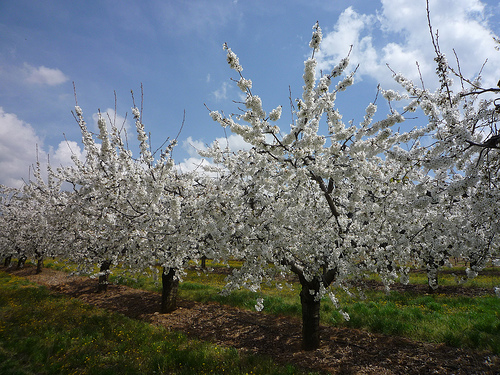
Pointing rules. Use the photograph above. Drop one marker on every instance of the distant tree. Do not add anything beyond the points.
(136, 212)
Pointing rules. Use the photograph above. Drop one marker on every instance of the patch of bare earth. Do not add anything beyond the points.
(342, 351)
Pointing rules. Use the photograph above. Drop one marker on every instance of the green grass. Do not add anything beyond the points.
(456, 321)
(488, 278)
(470, 322)
(44, 333)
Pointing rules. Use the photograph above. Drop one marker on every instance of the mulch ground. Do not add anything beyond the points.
(342, 351)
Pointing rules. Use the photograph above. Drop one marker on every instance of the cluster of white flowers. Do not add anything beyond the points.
(345, 83)
(244, 84)
(216, 116)
(317, 37)
(339, 69)
(260, 304)
(391, 95)
(142, 136)
(254, 103)
(232, 59)
(275, 114)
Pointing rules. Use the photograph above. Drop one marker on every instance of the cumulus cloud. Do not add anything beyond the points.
(62, 155)
(193, 164)
(221, 92)
(18, 142)
(234, 142)
(228, 90)
(18, 151)
(196, 162)
(192, 146)
(351, 29)
(44, 76)
(399, 35)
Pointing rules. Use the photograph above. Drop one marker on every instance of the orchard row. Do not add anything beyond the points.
(327, 200)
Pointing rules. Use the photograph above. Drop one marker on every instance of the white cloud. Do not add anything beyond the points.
(221, 93)
(196, 162)
(18, 151)
(234, 142)
(44, 76)
(61, 156)
(18, 142)
(193, 164)
(227, 90)
(461, 26)
(399, 35)
(192, 146)
(348, 32)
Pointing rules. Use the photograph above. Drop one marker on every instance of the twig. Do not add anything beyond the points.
(459, 69)
(420, 74)
(74, 91)
(481, 91)
(142, 100)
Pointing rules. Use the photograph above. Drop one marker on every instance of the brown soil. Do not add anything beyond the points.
(343, 351)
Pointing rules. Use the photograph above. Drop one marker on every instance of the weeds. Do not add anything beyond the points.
(44, 333)
(472, 322)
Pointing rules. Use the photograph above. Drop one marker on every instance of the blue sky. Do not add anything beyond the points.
(174, 49)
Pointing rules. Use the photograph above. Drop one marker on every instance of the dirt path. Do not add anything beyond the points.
(343, 351)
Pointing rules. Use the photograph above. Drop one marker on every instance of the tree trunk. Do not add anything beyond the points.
(21, 261)
(8, 261)
(39, 265)
(310, 313)
(432, 279)
(170, 285)
(432, 273)
(204, 262)
(102, 286)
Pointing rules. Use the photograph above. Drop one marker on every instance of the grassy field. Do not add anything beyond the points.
(459, 321)
(43, 333)
(39, 330)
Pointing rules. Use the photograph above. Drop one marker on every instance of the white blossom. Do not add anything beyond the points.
(260, 304)
(275, 114)
(232, 59)
(244, 84)
(339, 69)
(316, 37)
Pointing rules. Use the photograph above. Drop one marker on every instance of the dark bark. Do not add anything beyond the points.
(39, 265)
(21, 261)
(432, 273)
(311, 306)
(102, 285)
(170, 286)
(204, 262)
(310, 313)
(8, 261)
(432, 279)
